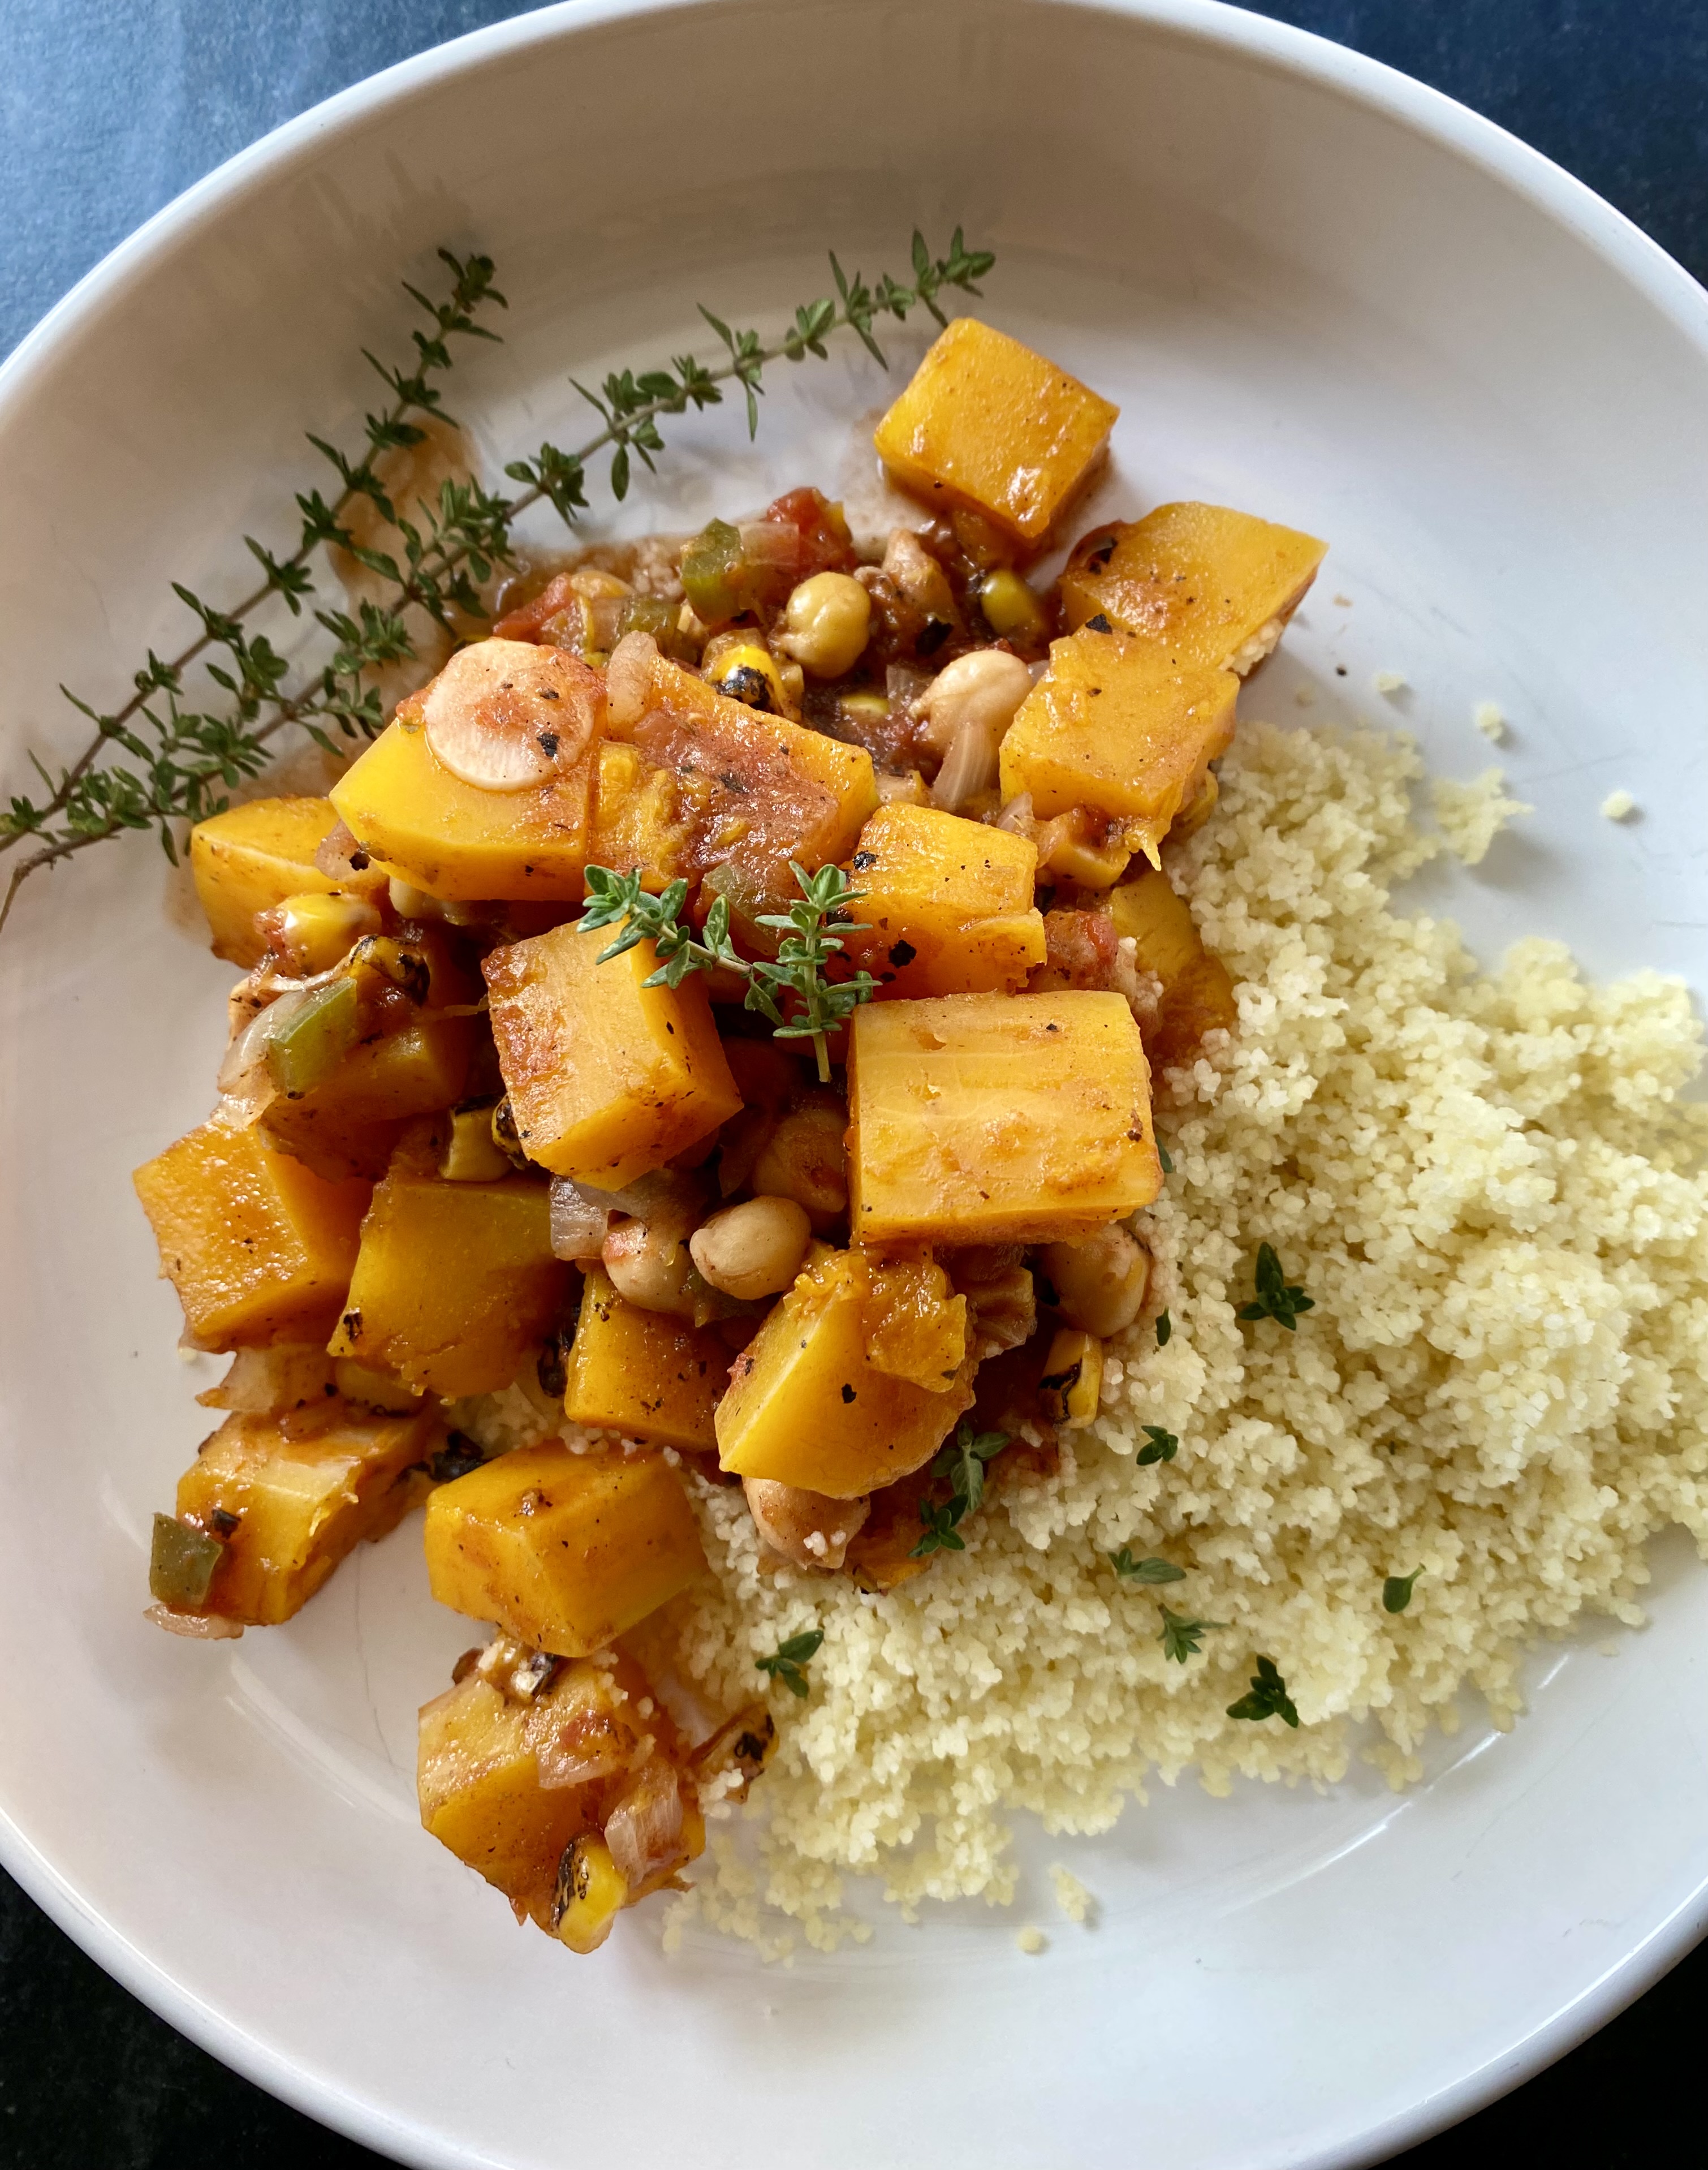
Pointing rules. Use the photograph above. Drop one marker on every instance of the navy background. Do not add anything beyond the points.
(108, 109)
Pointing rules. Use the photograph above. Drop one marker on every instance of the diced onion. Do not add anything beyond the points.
(644, 1830)
(628, 679)
(969, 767)
(578, 1226)
(771, 542)
(244, 1079)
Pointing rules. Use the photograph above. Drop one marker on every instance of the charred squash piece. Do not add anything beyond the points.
(454, 1282)
(607, 1077)
(565, 1550)
(258, 1247)
(988, 423)
(285, 1499)
(993, 1119)
(1201, 583)
(946, 903)
(348, 1125)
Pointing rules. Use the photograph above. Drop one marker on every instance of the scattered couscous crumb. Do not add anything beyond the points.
(1032, 1942)
(1489, 1186)
(1617, 806)
(1305, 697)
(1472, 815)
(1343, 603)
(1074, 1901)
(1389, 681)
(1490, 721)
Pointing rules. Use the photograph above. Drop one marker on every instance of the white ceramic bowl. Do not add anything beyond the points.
(1317, 289)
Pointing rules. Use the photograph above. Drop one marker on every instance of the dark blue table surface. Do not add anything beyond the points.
(108, 109)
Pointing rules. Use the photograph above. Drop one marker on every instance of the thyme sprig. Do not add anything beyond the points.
(1268, 1697)
(960, 1464)
(1275, 1299)
(163, 758)
(816, 1005)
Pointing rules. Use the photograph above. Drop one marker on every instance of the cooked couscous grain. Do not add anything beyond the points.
(1488, 1186)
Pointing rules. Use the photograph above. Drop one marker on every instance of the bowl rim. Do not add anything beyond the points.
(1284, 50)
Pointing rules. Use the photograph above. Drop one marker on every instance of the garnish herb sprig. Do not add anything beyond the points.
(791, 992)
(1148, 1572)
(787, 1663)
(961, 1465)
(1268, 1697)
(1275, 1299)
(1183, 1638)
(1396, 1591)
(1163, 1446)
(158, 760)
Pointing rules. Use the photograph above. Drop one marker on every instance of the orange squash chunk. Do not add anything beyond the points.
(1116, 725)
(454, 1283)
(947, 904)
(642, 1373)
(997, 1119)
(567, 1552)
(259, 1249)
(1202, 583)
(988, 423)
(607, 1077)
(303, 1492)
(251, 857)
(1197, 993)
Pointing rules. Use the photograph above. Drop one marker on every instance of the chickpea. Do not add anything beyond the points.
(1101, 1283)
(826, 624)
(983, 688)
(804, 1527)
(650, 1267)
(753, 1249)
(806, 1158)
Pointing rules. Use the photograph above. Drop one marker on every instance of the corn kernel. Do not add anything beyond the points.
(1010, 609)
(1073, 1379)
(472, 1153)
(747, 671)
(592, 1892)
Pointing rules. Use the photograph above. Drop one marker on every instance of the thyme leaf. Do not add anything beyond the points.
(1275, 1299)
(1268, 1697)
(961, 1466)
(1396, 1591)
(1144, 1571)
(787, 1663)
(1163, 1447)
(796, 977)
(1165, 1327)
(1181, 1638)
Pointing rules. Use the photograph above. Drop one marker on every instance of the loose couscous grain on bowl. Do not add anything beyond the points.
(873, 1142)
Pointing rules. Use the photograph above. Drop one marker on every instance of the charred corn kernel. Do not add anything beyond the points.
(1073, 1379)
(826, 624)
(1010, 609)
(909, 789)
(472, 1154)
(748, 672)
(311, 934)
(592, 1892)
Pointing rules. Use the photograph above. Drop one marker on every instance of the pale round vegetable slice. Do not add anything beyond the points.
(504, 715)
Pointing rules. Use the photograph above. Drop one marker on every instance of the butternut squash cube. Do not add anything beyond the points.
(477, 1779)
(348, 1125)
(645, 820)
(997, 1119)
(1115, 724)
(458, 841)
(989, 424)
(762, 791)
(947, 904)
(454, 1283)
(1202, 583)
(642, 1372)
(303, 1490)
(1198, 994)
(259, 1249)
(607, 1077)
(251, 858)
(565, 1550)
(915, 1324)
(806, 1404)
